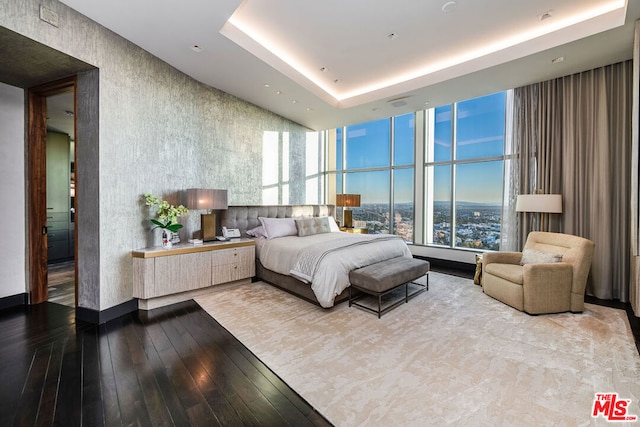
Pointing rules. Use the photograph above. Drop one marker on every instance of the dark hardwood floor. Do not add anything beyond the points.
(169, 366)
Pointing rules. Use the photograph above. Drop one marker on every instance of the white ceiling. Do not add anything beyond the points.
(271, 53)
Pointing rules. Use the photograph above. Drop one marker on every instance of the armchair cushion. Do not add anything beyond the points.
(532, 256)
(511, 272)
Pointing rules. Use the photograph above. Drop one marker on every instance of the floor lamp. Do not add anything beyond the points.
(347, 201)
(540, 206)
(207, 199)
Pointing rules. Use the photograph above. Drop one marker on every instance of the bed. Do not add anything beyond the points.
(315, 266)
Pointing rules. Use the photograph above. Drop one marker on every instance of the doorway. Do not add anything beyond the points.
(51, 192)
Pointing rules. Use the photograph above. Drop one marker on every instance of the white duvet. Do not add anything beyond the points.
(325, 260)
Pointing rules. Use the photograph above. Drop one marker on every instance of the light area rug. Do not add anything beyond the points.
(451, 356)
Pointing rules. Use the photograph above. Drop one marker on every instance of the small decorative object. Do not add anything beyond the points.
(477, 277)
(167, 219)
(167, 238)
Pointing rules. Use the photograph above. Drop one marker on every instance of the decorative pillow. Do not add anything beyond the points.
(309, 226)
(278, 227)
(532, 256)
(256, 232)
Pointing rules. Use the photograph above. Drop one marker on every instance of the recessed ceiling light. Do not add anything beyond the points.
(309, 109)
(323, 69)
(336, 81)
(392, 36)
(278, 92)
(557, 60)
(266, 85)
(196, 48)
(449, 6)
(295, 101)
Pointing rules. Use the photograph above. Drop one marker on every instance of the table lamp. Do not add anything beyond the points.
(347, 201)
(207, 199)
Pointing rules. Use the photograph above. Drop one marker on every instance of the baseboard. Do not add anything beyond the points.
(452, 267)
(99, 317)
(14, 301)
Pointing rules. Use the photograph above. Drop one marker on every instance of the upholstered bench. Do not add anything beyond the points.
(384, 277)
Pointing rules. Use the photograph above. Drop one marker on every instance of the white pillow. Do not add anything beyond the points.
(333, 226)
(256, 232)
(278, 227)
(532, 256)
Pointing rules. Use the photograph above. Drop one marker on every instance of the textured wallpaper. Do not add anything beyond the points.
(157, 131)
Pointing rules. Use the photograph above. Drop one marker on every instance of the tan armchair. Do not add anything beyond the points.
(539, 286)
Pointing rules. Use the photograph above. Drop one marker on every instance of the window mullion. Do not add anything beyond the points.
(454, 119)
(392, 125)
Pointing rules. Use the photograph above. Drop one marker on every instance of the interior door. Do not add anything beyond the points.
(37, 186)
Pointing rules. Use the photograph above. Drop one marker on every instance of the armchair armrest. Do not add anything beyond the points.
(501, 258)
(541, 274)
(547, 287)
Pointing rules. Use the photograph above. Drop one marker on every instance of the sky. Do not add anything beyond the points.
(479, 130)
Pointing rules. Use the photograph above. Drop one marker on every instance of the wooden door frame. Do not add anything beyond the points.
(37, 186)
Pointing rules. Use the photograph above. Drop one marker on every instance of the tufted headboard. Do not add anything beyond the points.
(246, 217)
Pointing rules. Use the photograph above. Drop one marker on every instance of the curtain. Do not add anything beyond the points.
(510, 224)
(573, 137)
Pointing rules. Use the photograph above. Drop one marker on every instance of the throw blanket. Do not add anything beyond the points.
(308, 261)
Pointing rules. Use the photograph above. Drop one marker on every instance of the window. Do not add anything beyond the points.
(464, 173)
(463, 167)
(368, 145)
(376, 160)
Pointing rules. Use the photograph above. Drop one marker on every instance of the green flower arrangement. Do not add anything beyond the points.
(167, 214)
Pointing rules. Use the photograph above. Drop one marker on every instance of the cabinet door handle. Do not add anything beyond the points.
(44, 230)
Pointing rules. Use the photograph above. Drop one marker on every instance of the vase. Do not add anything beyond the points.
(166, 238)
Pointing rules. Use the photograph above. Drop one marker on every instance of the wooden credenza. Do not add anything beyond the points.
(165, 276)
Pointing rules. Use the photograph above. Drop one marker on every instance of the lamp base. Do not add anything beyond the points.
(209, 225)
(348, 219)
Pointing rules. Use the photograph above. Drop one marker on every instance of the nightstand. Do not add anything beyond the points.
(356, 230)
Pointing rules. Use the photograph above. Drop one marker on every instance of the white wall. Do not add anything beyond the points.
(12, 190)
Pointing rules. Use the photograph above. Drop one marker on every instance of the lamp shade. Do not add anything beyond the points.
(348, 200)
(545, 203)
(204, 198)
